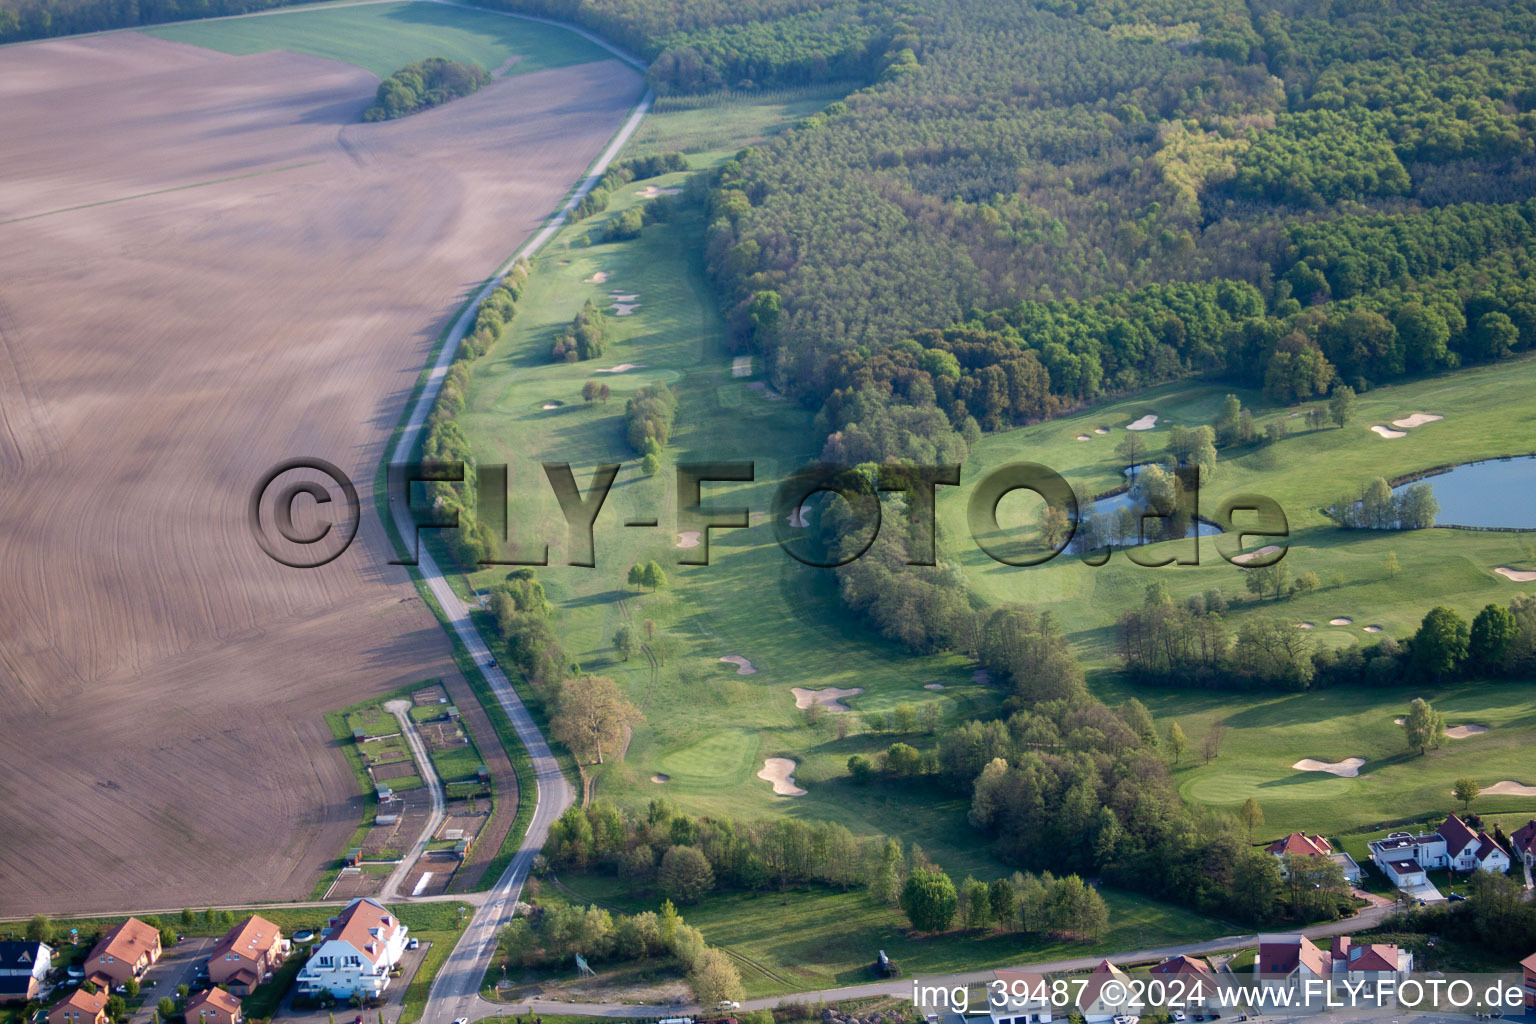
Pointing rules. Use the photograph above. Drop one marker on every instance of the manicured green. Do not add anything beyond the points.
(386, 37)
(706, 725)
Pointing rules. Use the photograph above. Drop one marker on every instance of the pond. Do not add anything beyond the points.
(1498, 492)
(1110, 507)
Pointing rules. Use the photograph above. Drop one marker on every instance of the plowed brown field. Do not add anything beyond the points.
(208, 266)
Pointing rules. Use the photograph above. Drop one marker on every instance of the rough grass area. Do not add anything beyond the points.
(805, 939)
(385, 37)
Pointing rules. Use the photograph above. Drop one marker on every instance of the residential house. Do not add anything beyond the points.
(23, 966)
(1193, 987)
(1299, 844)
(1405, 858)
(360, 946)
(1528, 965)
(214, 1006)
(1524, 843)
(248, 954)
(1099, 1006)
(1369, 962)
(1293, 961)
(80, 1007)
(1024, 999)
(125, 952)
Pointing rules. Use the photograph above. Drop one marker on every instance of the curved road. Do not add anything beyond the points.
(455, 991)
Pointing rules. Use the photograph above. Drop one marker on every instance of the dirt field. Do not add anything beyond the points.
(163, 681)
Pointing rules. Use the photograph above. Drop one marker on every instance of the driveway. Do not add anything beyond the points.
(176, 966)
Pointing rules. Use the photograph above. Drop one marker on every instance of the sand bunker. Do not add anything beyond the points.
(1461, 732)
(741, 366)
(796, 516)
(1267, 549)
(688, 539)
(1518, 575)
(651, 192)
(1101, 430)
(981, 676)
(1304, 625)
(830, 698)
(1084, 437)
(1372, 629)
(1345, 769)
(1147, 422)
(933, 686)
(621, 368)
(1388, 431)
(780, 771)
(624, 308)
(1341, 621)
(659, 777)
(597, 278)
(1418, 419)
(623, 296)
(743, 666)
(1399, 720)
(550, 405)
(1509, 788)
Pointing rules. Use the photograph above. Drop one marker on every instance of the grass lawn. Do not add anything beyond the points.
(456, 762)
(1266, 733)
(709, 127)
(385, 37)
(812, 938)
(706, 726)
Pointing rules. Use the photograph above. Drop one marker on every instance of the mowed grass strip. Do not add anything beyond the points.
(385, 37)
(752, 600)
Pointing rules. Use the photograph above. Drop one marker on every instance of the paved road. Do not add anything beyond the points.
(401, 709)
(455, 991)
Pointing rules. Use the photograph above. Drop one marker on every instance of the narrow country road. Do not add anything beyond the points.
(401, 709)
(455, 992)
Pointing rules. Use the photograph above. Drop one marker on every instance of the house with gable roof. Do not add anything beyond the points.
(1404, 858)
(1099, 1002)
(125, 952)
(361, 945)
(1192, 983)
(23, 967)
(1299, 844)
(1025, 998)
(214, 1006)
(248, 954)
(80, 1007)
(1524, 843)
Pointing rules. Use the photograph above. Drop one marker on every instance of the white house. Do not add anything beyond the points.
(360, 946)
(23, 968)
(1404, 858)
(1025, 999)
(1100, 1006)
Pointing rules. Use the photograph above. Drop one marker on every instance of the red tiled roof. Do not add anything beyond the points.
(1020, 987)
(1375, 956)
(1182, 964)
(1486, 847)
(1301, 844)
(127, 942)
(215, 997)
(356, 925)
(1529, 963)
(86, 1002)
(1280, 958)
(1100, 977)
(250, 938)
(1525, 837)
(1456, 835)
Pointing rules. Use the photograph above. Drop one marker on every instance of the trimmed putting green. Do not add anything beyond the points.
(385, 37)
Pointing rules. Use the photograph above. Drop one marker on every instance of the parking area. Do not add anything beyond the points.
(178, 965)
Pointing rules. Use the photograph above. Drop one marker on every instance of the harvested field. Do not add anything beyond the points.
(238, 274)
(353, 883)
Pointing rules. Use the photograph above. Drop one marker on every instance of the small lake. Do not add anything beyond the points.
(1498, 492)
(1110, 507)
